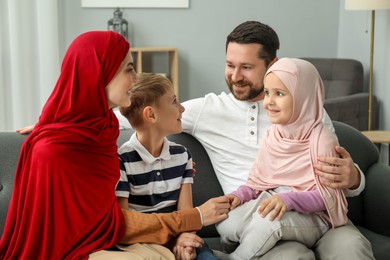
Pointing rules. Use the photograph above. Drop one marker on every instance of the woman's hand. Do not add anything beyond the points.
(215, 210)
(25, 130)
(274, 203)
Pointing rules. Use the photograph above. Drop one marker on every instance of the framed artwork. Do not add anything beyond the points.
(135, 3)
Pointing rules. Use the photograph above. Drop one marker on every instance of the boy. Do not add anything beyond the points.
(156, 174)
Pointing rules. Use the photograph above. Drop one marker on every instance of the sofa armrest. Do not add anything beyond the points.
(376, 199)
(11, 143)
(353, 110)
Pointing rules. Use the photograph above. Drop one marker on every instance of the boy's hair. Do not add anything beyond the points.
(146, 91)
(256, 32)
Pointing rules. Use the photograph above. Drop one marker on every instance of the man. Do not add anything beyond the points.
(230, 127)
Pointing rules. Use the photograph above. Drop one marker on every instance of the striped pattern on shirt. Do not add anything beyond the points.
(152, 184)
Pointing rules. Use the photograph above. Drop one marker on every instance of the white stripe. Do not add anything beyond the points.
(161, 205)
(156, 187)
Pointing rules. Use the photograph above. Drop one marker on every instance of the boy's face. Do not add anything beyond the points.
(168, 113)
(278, 101)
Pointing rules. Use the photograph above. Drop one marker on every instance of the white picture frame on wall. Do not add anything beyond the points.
(135, 3)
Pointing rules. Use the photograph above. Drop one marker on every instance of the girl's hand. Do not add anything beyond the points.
(274, 203)
(234, 201)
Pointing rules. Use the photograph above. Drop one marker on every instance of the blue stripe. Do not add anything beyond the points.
(165, 174)
(123, 186)
(132, 156)
(175, 149)
(168, 209)
(128, 157)
(187, 173)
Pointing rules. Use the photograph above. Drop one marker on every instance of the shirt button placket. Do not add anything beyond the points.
(251, 123)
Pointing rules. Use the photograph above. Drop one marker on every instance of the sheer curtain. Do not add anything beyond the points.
(29, 61)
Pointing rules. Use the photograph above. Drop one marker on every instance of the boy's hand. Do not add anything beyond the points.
(189, 240)
(185, 245)
(234, 201)
(274, 203)
(193, 169)
(184, 253)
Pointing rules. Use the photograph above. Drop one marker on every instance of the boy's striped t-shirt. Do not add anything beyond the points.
(152, 184)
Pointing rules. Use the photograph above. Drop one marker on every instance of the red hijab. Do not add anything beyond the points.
(63, 205)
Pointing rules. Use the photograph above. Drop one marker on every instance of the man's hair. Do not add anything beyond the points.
(146, 92)
(256, 32)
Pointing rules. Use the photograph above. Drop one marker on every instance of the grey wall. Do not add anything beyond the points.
(307, 28)
(354, 42)
(200, 31)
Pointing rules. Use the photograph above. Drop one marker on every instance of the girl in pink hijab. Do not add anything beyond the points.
(283, 198)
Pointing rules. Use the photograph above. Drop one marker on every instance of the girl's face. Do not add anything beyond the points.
(168, 113)
(278, 101)
(118, 90)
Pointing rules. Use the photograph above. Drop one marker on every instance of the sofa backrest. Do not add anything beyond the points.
(341, 77)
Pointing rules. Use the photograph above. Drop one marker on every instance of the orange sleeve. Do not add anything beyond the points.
(158, 228)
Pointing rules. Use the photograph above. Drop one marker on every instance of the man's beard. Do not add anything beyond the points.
(252, 93)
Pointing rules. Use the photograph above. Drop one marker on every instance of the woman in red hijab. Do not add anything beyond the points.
(63, 204)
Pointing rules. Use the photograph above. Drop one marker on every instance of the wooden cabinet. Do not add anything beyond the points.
(167, 65)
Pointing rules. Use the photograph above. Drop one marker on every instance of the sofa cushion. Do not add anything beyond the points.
(380, 244)
(377, 200)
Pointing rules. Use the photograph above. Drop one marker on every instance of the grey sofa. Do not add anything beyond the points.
(345, 100)
(370, 211)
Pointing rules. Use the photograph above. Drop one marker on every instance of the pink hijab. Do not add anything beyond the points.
(288, 152)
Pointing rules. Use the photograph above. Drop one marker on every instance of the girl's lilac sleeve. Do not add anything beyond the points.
(304, 202)
(245, 193)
